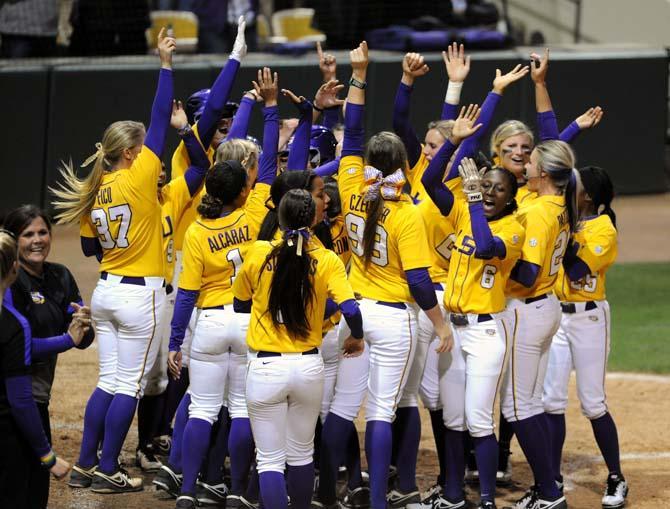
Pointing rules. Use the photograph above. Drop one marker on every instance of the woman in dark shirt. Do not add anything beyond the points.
(42, 293)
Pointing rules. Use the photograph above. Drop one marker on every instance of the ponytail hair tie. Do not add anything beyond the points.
(93, 157)
(300, 236)
(390, 186)
(11, 234)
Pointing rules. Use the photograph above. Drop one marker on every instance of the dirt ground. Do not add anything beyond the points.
(638, 402)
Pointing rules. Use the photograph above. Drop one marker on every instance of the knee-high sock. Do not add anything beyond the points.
(607, 439)
(533, 439)
(556, 428)
(149, 410)
(317, 444)
(94, 425)
(437, 423)
(353, 459)
(273, 490)
(336, 431)
(253, 487)
(300, 480)
(175, 459)
(397, 429)
(505, 433)
(486, 451)
(378, 440)
(241, 448)
(173, 395)
(196, 440)
(119, 416)
(408, 448)
(454, 448)
(212, 468)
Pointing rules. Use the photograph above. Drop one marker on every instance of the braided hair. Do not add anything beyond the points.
(292, 286)
(598, 186)
(224, 183)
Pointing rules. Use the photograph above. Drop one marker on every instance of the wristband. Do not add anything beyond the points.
(358, 84)
(474, 197)
(320, 110)
(48, 460)
(183, 131)
(453, 92)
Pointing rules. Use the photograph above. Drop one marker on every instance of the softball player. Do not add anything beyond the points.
(287, 282)
(118, 210)
(583, 338)
(549, 221)
(389, 270)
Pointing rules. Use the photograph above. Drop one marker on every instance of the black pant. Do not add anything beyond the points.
(15, 466)
(40, 476)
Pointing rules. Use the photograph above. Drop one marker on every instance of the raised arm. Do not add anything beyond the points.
(162, 105)
(195, 174)
(268, 89)
(240, 126)
(220, 93)
(328, 68)
(413, 66)
(354, 130)
(458, 68)
(327, 102)
(546, 118)
(298, 153)
(590, 118)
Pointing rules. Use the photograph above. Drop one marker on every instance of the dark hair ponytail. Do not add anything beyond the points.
(599, 187)
(374, 212)
(292, 287)
(224, 183)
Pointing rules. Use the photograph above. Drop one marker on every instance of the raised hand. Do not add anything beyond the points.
(178, 119)
(413, 66)
(590, 118)
(327, 64)
(359, 58)
(539, 65)
(166, 47)
(457, 64)
(502, 81)
(267, 86)
(353, 347)
(464, 126)
(326, 96)
(294, 98)
(471, 178)
(240, 45)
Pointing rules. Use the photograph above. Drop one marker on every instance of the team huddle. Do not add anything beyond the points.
(272, 289)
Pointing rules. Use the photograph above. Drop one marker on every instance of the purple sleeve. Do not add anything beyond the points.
(569, 134)
(91, 247)
(160, 114)
(183, 308)
(331, 117)
(486, 245)
(328, 169)
(525, 273)
(449, 111)
(352, 315)
(574, 266)
(432, 179)
(44, 347)
(196, 172)
(267, 166)
(421, 287)
(25, 413)
(241, 306)
(240, 125)
(298, 153)
(216, 102)
(470, 145)
(354, 130)
(547, 125)
(331, 308)
(401, 123)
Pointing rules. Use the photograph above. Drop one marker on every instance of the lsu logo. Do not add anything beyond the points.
(37, 297)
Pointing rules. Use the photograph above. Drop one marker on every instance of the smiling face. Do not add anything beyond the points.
(34, 245)
(533, 172)
(432, 143)
(515, 153)
(497, 193)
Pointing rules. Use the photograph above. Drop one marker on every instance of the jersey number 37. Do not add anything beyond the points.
(102, 221)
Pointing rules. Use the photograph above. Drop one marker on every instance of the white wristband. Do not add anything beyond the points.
(474, 197)
(453, 92)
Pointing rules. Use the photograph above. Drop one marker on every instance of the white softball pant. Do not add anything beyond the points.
(475, 368)
(533, 326)
(390, 334)
(582, 342)
(330, 352)
(423, 376)
(284, 398)
(188, 333)
(218, 359)
(157, 379)
(127, 320)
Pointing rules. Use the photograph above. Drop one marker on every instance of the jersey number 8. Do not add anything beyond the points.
(120, 213)
(355, 228)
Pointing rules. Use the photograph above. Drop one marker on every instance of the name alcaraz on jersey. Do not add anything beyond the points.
(227, 238)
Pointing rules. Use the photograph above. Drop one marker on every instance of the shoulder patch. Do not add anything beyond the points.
(352, 170)
(515, 239)
(599, 249)
(532, 242)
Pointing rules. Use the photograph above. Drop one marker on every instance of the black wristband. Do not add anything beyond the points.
(314, 106)
(358, 84)
(184, 130)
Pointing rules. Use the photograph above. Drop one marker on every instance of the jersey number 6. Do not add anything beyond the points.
(121, 214)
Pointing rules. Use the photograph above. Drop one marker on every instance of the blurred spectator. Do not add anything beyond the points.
(217, 23)
(109, 27)
(28, 28)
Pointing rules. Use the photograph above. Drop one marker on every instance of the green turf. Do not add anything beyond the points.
(639, 295)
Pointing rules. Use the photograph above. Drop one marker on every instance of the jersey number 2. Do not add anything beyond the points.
(120, 213)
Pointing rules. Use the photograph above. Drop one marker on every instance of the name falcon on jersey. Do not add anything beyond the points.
(225, 239)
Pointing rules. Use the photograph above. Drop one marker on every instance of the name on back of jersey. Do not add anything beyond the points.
(356, 203)
(227, 238)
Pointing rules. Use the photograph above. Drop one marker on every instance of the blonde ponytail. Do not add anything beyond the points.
(8, 255)
(237, 149)
(74, 196)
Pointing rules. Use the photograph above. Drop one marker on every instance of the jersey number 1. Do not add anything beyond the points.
(120, 213)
